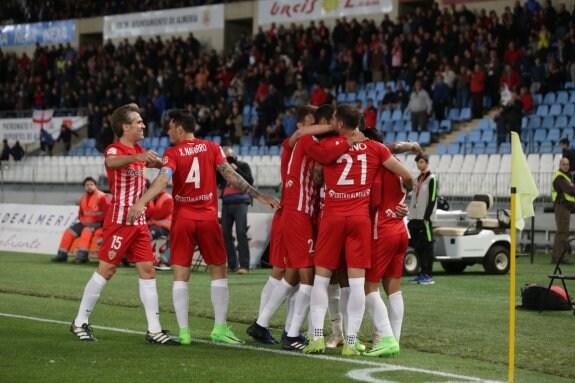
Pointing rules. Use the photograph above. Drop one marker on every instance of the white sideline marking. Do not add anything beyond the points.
(363, 375)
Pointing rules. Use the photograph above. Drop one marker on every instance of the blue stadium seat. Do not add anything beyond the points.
(488, 136)
(571, 122)
(568, 133)
(244, 150)
(540, 135)
(254, 151)
(555, 110)
(388, 126)
(413, 136)
(491, 148)
(409, 127)
(479, 148)
(406, 115)
(246, 141)
(373, 95)
(274, 150)
(453, 148)
(561, 122)
(461, 137)
(389, 137)
(569, 85)
(548, 122)
(534, 122)
(546, 147)
(401, 136)
(236, 149)
(549, 99)
(398, 127)
(263, 150)
(465, 114)
(380, 86)
(562, 98)
(217, 140)
(554, 135)
(569, 109)
(542, 110)
(453, 114)
(445, 126)
(483, 124)
(537, 99)
(425, 138)
(351, 97)
(432, 125)
(385, 116)
(475, 135)
(572, 97)
(505, 148)
(340, 98)
(441, 149)
(396, 115)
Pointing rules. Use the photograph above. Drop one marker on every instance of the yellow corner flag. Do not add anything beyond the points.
(522, 181)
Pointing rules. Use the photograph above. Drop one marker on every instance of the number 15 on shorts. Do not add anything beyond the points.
(116, 242)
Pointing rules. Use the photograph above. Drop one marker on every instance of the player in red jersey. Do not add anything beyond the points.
(345, 226)
(389, 243)
(192, 164)
(299, 200)
(125, 163)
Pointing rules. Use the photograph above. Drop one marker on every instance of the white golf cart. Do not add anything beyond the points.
(462, 240)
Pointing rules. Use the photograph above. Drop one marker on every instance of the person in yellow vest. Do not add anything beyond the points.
(563, 197)
(93, 206)
(159, 219)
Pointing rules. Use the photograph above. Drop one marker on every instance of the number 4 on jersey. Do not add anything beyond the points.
(194, 174)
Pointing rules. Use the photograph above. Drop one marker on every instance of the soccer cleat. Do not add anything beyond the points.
(242, 271)
(62, 256)
(160, 266)
(84, 332)
(185, 337)
(293, 343)
(261, 334)
(348, 350)
(223, 333)
(359, 346)
(82, 256)
(161, 337)
(334, 341)
(386, 347)
(376, 338)
(315, 346)
(427, 280)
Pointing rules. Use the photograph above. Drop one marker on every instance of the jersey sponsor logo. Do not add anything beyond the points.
(390, 213)
(203, 197)
(134, 172)
(192, 150)
(361, 194)
(112, 151)
(165, 160)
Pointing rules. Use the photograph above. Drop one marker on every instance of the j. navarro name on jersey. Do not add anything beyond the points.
(134, 172)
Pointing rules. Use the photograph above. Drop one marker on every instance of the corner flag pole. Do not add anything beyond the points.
(511, 371)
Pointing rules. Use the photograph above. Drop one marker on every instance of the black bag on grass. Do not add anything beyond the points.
(532, 297)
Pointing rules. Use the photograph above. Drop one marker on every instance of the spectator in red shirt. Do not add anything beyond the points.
(510, 78)
(318, 96)
(370, 114)
(512, 55)
(526, 99)
(477, 87)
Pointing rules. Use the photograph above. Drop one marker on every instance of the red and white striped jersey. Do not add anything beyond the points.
(285, 158)
(299, 192)
(127, 184)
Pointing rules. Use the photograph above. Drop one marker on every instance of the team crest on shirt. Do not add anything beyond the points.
(112, 151)
(289, 184)
(165, 160)
(111, 254)
(390, 214)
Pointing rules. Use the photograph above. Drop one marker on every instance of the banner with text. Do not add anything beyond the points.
(284, 11)
(27, 130)
(164, 22)
(50, 32)
(34, 228)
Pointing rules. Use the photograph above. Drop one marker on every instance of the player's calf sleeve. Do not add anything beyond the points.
(396, 313)
(378, 312)
(318, 304)
(149, 297)
(277, 297)
(181, 301)
(334, 295)
(220, 299)
(267, 292)
(355, 306)
(89, 298)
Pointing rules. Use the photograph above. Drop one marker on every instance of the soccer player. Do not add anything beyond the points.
(125, 162)
(299, 202)
(192, 164)
(278, 255)
(345, 226)
(93, 206)
(389, 243)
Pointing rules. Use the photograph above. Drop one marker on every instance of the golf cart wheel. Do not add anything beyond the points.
(453, 267)
(497, 260)
(410, 262)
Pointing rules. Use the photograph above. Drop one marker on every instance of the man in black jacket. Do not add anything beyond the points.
(235, 209)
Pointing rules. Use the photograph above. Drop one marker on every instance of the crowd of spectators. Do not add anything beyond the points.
(461, 58)
(19, 12)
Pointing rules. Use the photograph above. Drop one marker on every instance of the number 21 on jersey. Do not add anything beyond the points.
(194, 174)
(349, 163)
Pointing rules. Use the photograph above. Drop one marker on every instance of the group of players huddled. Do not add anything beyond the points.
(339, 223)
